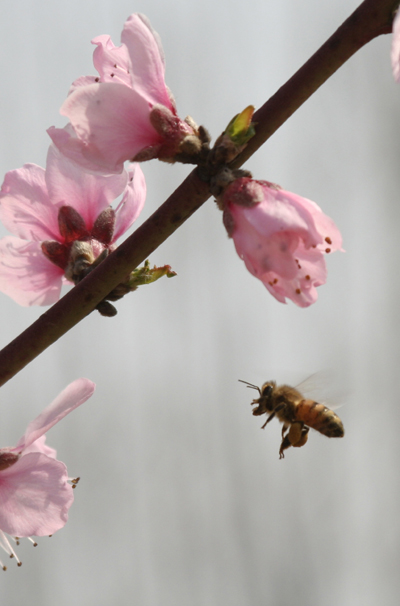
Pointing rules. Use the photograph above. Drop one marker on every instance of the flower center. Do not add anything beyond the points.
(7, 458)
(79, 247)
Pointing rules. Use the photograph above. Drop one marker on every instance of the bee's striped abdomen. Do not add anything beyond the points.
(321, 418)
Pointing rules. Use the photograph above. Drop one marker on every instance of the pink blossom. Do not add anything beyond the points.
(127, 112)
(35, 490)
(281, 237)
(395, 53)
(60, 215)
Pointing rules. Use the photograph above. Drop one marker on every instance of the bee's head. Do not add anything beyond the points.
(266, 400)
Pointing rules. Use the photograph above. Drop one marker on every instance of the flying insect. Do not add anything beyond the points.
(296, 413)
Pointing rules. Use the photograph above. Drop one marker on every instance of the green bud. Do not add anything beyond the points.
(241, 129)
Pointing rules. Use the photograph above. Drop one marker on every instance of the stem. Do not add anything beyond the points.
(372, 18)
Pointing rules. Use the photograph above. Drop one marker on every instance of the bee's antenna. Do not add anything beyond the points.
(250, 385)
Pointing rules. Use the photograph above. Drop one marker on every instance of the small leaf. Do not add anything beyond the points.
(241, 129)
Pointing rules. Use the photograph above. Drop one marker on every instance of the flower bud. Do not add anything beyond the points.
(281, 237)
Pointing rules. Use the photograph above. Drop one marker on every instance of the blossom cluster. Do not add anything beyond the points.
(62, 217)
(65, 218)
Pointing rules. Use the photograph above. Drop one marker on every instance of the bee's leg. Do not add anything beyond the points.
(297, 436)
(271, 416)
(284, 428)
(284, 445)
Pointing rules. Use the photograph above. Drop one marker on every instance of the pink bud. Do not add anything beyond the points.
(281, 237)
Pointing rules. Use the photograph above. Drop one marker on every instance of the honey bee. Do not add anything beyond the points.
(296, 413)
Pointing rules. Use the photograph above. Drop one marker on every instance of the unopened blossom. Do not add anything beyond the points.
(282, 238)
(35, 490)
(127, 111)
(395, 52)
(63, 220)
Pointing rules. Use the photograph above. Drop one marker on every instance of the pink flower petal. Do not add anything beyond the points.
(25, 208)
(132, 203)
(70, 398)
(71, 147)
(281, 211)
(323, 224)
(147, 59)
(26, 275)
(39, 445)
(395, 53)
(82, 81)
(112, 62)
(265, 254)
(87, 193)
(302, 288)
(112, 123)
(35, 496)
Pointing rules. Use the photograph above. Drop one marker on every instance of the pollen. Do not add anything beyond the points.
(298, 291)
(74, 481)
(327, 250)
(328, 240)
(307, 277)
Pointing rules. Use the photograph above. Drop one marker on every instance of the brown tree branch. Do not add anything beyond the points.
(372, 18)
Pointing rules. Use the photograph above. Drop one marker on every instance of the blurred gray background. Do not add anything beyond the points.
(183, 500)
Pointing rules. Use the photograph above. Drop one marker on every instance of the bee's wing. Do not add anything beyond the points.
(323, 387)
(315, 385)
